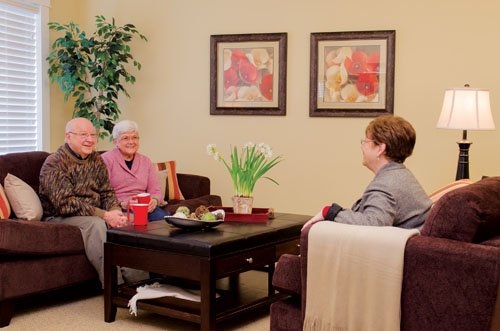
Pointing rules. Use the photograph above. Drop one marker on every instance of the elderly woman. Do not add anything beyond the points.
(130, 172)
(394, 197)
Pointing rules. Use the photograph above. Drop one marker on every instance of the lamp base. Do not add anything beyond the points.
(463, 160)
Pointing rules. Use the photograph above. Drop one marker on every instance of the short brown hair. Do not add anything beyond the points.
(396, 133)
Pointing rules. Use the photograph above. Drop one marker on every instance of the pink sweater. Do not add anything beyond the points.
(128, 183)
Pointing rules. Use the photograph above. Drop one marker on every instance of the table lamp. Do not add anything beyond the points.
(465, 108)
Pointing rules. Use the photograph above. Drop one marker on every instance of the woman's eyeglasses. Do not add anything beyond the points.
(129, 138)
(366, 140)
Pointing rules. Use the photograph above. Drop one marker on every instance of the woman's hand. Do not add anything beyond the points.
(316, 218)
(152, 204)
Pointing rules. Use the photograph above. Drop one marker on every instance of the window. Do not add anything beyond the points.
(24, 87)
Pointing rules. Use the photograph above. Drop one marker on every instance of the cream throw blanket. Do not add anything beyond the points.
(354, 277)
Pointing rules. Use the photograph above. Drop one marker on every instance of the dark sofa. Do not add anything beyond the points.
(37, 257)
(451, 271)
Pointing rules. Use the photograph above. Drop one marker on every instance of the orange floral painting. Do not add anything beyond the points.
(248, 74)
(352, 73)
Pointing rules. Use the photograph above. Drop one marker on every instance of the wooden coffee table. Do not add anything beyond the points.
(203, 258)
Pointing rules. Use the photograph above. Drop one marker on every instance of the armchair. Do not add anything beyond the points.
(451, 271)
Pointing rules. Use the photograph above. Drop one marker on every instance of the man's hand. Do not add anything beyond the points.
(115, 218)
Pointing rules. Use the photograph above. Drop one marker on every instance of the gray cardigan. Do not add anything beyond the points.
(393, 198)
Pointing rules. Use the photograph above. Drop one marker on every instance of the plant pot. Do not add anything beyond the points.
(242, 205)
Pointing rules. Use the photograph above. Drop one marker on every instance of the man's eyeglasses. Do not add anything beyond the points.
(129, 138)
(85, 135)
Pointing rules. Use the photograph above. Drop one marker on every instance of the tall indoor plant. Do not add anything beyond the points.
(92, 69)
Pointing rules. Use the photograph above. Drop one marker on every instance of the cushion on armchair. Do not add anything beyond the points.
(436, 195)
(468, 214)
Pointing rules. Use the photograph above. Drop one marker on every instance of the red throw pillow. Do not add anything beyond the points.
(4, 205)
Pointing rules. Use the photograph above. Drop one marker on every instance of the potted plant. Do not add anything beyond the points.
(92, 69)
(246, 168)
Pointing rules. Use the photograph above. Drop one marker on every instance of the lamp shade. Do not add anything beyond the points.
(466, 108)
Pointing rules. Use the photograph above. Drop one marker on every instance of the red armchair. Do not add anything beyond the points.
(451, 271)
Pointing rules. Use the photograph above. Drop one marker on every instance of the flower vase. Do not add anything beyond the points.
(242, 205)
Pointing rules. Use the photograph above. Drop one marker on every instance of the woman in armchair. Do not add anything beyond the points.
(394, 197)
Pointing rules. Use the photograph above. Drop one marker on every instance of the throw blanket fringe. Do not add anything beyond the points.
(354, 277)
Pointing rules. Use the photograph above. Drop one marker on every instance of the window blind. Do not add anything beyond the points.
(19, 113)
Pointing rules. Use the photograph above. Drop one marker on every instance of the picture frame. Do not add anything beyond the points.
(248, 74)
(352, 73)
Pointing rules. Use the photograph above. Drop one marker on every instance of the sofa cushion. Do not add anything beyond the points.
(173, 190)
(23, 199)
(4, 204)
(19, 237)
(470, 213)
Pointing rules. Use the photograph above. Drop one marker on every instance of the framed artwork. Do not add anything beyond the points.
(248, 74)
(352, 74)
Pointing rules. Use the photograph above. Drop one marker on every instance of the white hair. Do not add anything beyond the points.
(124, 126)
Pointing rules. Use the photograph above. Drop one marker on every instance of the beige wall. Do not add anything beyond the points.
(439, 44)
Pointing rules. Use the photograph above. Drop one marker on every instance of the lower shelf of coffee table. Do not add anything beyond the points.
(229, 302)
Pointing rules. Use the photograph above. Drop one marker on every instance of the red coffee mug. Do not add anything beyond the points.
(140, 211)
(144, 198)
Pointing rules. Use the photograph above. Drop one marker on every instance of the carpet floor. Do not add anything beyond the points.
(85, 311)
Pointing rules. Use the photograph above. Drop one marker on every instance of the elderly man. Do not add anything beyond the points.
(75, 189)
